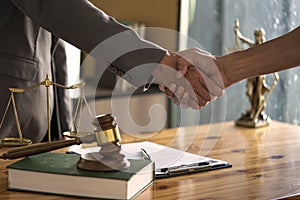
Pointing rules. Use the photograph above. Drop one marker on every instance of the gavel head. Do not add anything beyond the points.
(109, 157)
(106, 130)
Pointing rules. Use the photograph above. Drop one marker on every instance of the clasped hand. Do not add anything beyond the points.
(191, 78)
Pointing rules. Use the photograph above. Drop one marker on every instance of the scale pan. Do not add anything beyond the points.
(75, 134)
(14, 142)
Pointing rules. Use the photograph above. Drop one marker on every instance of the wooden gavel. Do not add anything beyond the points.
(106, 131)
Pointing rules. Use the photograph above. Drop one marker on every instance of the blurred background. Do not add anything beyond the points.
(204, 23)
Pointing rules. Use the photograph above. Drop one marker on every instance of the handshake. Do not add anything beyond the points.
(191, 78)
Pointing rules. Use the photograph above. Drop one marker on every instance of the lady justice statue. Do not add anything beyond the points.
(258, 91)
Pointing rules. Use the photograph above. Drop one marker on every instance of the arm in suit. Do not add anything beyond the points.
(82, 24)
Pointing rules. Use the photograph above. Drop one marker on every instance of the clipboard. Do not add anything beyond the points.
(169, 162)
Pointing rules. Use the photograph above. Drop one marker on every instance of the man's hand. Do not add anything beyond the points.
(168, 77)
(207, 79)
(198, 81)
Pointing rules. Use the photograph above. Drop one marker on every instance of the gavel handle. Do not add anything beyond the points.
(38, 148)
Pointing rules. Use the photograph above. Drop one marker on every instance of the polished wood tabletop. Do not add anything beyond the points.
(266, 164)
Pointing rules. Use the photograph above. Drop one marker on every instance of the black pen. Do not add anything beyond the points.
(148, 83)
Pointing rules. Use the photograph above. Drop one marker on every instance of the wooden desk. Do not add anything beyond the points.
(266, 164)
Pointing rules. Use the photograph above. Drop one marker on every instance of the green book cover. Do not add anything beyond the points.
(57, 163)
(55, 173)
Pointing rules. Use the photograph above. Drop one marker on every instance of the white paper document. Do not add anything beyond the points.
(164, 157)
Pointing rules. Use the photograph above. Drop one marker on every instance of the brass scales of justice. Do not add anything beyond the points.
(106, 135)
(258, 91)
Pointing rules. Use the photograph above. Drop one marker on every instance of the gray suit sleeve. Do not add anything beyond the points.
(82, 24)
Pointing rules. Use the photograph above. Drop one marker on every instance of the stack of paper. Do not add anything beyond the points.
(168, 161)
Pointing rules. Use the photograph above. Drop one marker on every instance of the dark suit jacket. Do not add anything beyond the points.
(27, 47)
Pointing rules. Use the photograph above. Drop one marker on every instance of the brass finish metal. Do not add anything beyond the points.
(258, 91)
(20, 141)
(106, 136)
(8, 142)
(76, 134)
(47, 83)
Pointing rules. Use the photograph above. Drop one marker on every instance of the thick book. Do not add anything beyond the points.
(56, 173)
